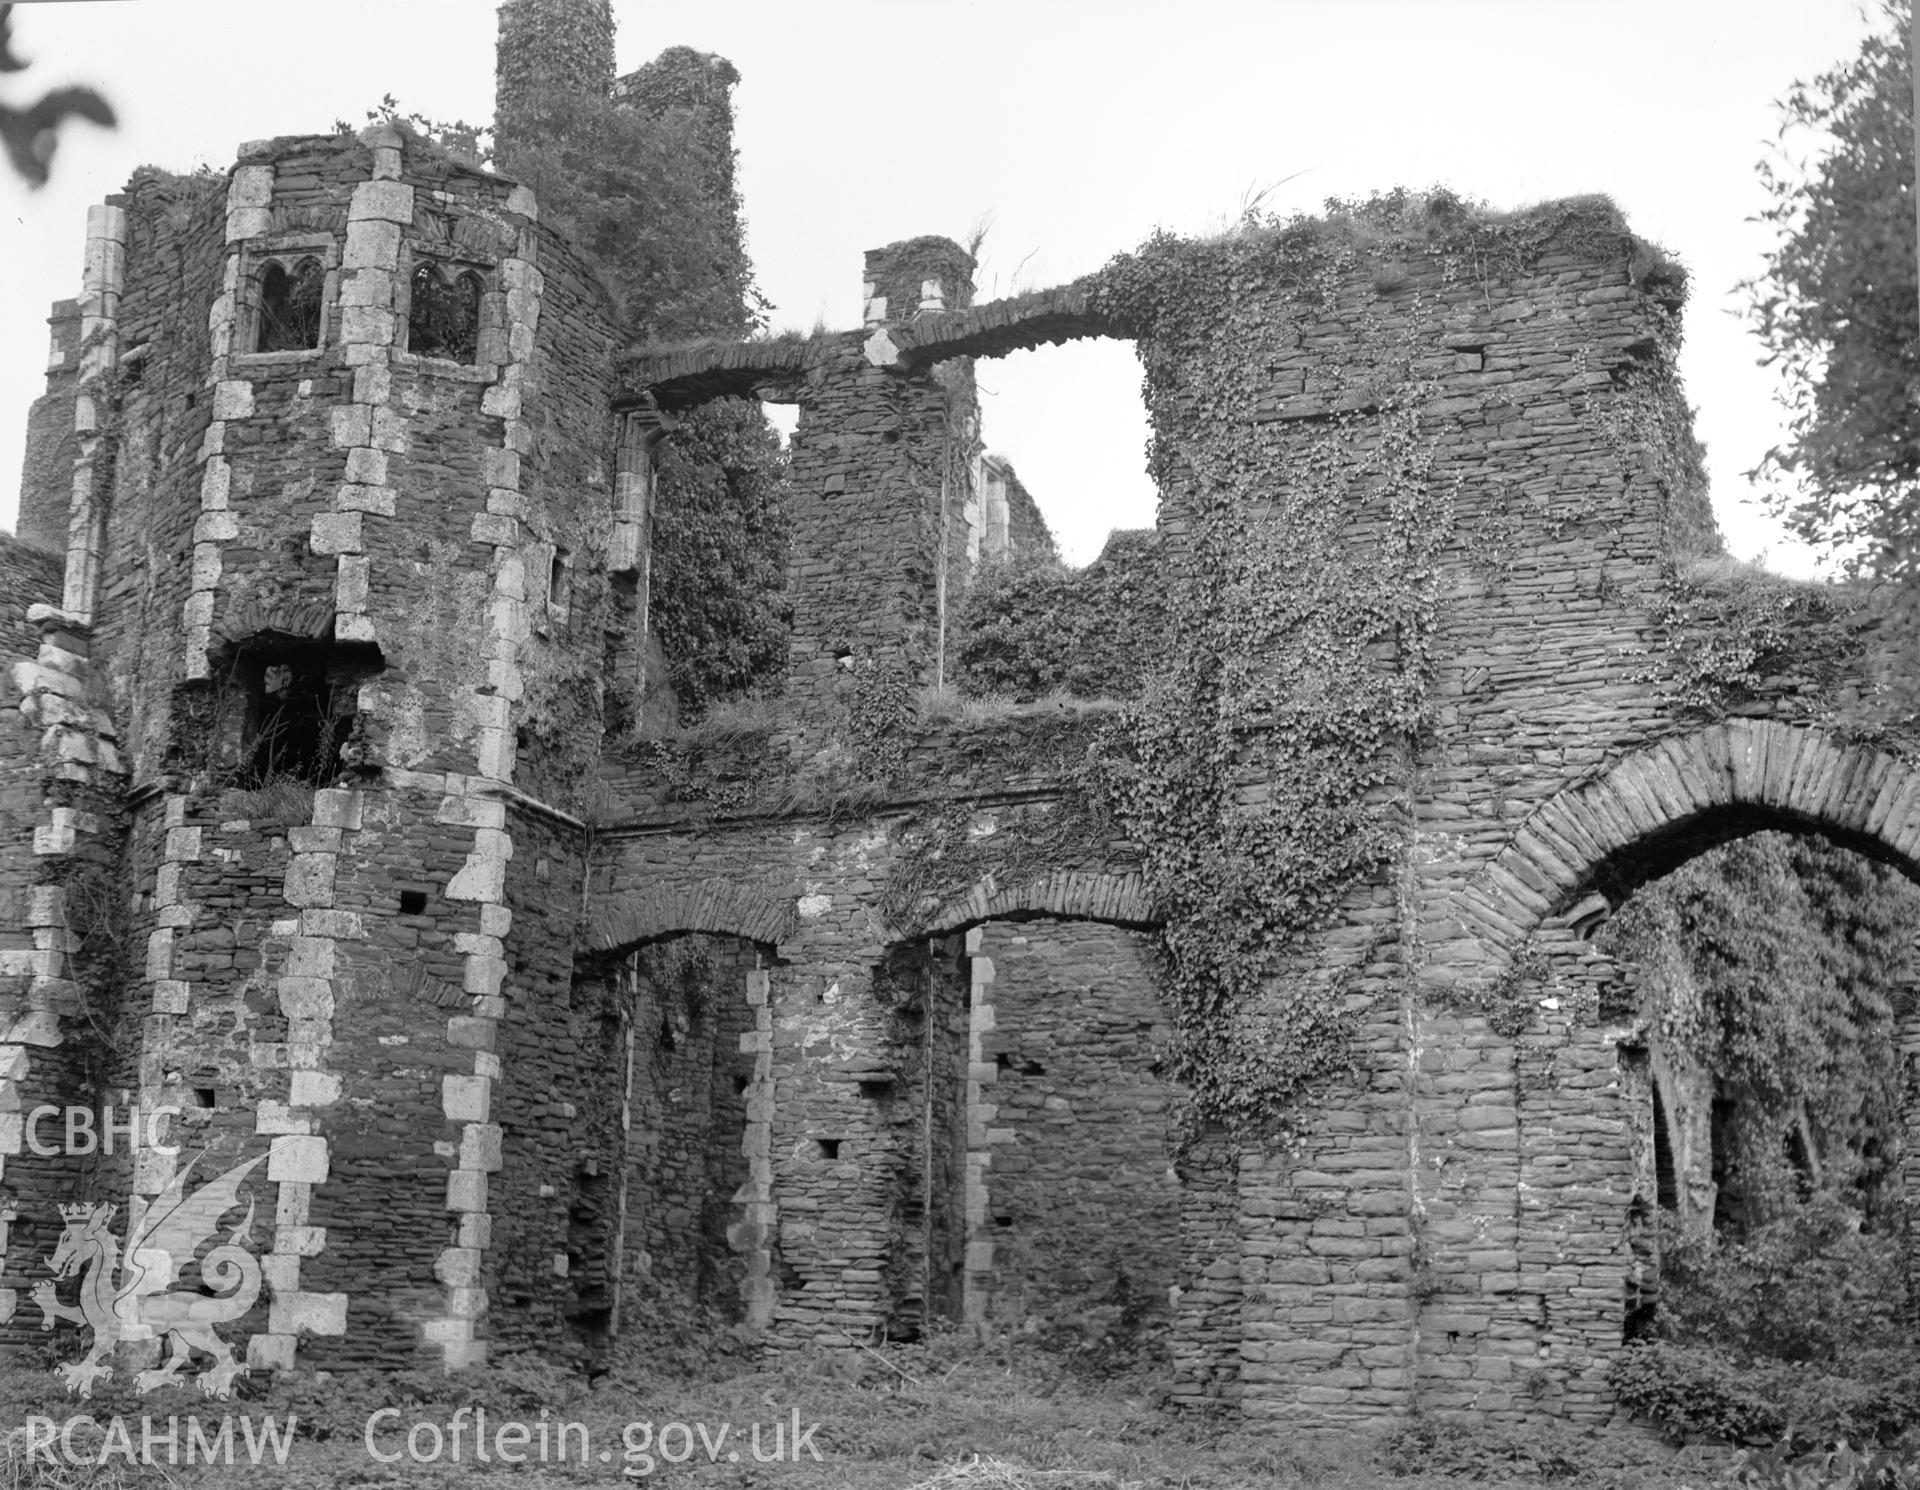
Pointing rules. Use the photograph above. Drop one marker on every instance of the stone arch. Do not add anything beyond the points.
(290, 304)
(1660, 806)
(718, 906)
(678, 1086)
(1048, 1057)
(283, 619)
(1072, 895)
(1577, 856)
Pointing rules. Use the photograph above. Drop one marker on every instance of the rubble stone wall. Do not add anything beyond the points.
(422, 981)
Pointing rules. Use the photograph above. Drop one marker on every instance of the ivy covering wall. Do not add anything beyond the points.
(641, 178)
(1256, 770)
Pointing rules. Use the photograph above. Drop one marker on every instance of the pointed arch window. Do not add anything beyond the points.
(443, 313)
(290, 305)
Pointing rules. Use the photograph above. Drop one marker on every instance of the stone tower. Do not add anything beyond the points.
(320, 679)
(548, 47)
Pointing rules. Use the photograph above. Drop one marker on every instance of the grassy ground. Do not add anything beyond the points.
(958, 1415)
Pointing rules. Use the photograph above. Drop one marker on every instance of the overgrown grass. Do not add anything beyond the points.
(947, 705)
(1438, 216)
(281, 799)
(958, 1411)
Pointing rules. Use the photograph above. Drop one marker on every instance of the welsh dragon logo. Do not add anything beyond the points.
(130, 1301)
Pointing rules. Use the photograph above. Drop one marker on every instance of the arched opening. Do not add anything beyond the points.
(1766, 1031)
(1039, 1194)
(443, 313)
(289, 313)
(663, 1243)
(1774, 977)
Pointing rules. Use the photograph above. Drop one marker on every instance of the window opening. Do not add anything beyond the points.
(289, 318)
(443, 316)
(301, 703)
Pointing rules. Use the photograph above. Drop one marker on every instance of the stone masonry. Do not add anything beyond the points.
(541, 1047)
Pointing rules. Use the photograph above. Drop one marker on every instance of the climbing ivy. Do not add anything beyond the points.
(1732, 634)
(1262, 770)
(964, 837)
(1776, 963)
(635, 191)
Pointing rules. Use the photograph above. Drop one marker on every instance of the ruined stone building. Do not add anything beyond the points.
(857, 1015)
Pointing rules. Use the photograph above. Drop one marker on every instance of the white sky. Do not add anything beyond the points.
(1079, 127)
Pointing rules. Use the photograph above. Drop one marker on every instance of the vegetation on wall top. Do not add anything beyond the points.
(1734, 635)
(632, 190)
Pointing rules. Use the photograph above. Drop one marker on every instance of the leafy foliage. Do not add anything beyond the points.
(632, 190)
(548, 48)
(1811, 1288)
(1698, 1389)
(720, 534)
(32, 134)
(1767, 962)
(471, 143)
(644, 186)
(443, 315)
(290, 307)
(1735, 635)
(1842, 1467)
(1030, 629)
(1835, 305)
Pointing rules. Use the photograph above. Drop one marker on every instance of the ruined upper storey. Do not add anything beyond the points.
(1532, 353)
(320, 373)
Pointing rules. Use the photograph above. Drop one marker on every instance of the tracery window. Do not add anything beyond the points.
(443, 313)
(290, 306)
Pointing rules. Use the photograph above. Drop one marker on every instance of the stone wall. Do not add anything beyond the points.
(46, 477)
(424, 978)
(324, 964)
(686, 1160)
(1450, 1229)
(1072, 1197)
